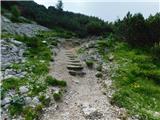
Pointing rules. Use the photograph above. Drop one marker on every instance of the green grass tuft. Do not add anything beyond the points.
(54, 82)
(57, 96)
(90, 63)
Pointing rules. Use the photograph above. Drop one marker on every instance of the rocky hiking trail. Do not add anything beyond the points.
(84, 98)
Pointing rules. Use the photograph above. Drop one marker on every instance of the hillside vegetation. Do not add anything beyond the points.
(134, 58)
(26, 96)
(51, 17)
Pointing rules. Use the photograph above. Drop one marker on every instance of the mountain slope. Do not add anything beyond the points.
(81, 24)
(20, 28)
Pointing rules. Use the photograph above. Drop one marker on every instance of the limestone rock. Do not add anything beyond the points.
(6, 100)
(20, 28)
(23, 89)
(28, 100)
(35, 101)
(90, 112)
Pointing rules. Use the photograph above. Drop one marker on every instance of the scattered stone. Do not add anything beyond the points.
(11, 52)
(35, 101)
(90, 112)
(6, 100)
(156, 114)
(11, 93)
(111, 57)
(28, 100)
(8, 76)
(44, 41)
(76, 81)
(23, 89)
(55, 89)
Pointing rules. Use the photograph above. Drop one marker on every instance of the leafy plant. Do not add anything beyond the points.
(57, 96)
(90, 63)
(44, 100)
(12, 83)
(16, 106)
(99, 75)
(30, 113)
(52, 81)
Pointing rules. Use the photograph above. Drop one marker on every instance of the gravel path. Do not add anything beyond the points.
(83, 100)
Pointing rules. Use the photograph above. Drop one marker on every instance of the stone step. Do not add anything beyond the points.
(71, 67)
(74, 61)
(69, 53)
(72, 56)
(75, 64)
(74, 73)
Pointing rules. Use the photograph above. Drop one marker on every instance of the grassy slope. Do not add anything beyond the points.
(38, 56)
(136, 76)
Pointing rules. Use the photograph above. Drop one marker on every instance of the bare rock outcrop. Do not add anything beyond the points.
(20, 28)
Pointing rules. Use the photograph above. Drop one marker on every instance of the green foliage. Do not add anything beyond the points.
(38, 54)
(12, 83)
(15, 13)
(37, 88)
(138, 31)
(16, 106)
(155, 52)
(81, 50)
(45, 101)
(15, 110)
(30, 113)
(57, 96)
(54, 82)
(56, 32)
(153, 23)
(136, 78)
(99, 75)
(37, 67)
(90, 63)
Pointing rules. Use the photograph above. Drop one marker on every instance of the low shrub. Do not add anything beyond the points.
(54, 82)
(30, 113)
(57, 96)
(99, 75)
(99, 68)
(15, 110)
(37, 88)
(80, 50)
(45, 101)
(90, 63)
(12, 83)
(16, 106)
